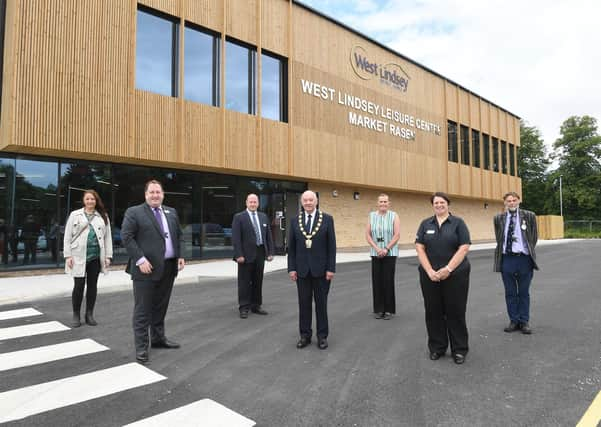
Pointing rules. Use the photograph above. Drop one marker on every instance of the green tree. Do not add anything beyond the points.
(578, 153)
(533, 162)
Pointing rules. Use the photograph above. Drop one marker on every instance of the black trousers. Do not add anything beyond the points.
(310, 288)
(250, 282)
(79, 283)
(151, 300)
(382, 282)
(445, 303)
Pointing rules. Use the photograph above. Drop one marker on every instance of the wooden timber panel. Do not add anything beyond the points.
(70, 91)
(241, 20)
(275, 26)
(202, 142)
(274, 137)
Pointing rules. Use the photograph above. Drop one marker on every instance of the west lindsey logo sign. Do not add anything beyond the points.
(390, 74)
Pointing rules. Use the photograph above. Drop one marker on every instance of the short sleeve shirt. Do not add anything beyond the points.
(442, 242)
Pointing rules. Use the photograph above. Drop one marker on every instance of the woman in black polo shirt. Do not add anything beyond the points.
(442, 243)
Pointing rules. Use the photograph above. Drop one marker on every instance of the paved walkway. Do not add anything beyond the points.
(23, 289)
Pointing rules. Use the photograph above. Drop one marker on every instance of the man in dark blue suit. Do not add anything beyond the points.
(253, 244)
(312, 264)
(152, 236)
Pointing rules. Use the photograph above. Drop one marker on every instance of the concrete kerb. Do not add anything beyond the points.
(15, 290)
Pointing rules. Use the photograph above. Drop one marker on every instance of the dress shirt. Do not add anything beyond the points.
(519, 245)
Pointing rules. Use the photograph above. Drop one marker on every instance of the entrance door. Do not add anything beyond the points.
(283, 207)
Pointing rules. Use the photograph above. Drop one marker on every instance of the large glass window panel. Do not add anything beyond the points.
(240, 80)
(8, 250)
(452, 142)
(218, 206)
(504, 157)
(156, 52)
(201, 66)
(465, 145)
(273, 88)
(486, 150)
(495, 154)
(35, 204)
(476, 148)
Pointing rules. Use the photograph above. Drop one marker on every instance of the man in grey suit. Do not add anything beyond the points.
(515, 258)
(152, 236)
(253, 244)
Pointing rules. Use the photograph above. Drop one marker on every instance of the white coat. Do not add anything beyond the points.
(76, 239)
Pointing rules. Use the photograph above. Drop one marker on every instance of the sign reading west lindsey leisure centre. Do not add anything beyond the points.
(378, 117)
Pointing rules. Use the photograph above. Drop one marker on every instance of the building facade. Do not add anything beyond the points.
(218, 98)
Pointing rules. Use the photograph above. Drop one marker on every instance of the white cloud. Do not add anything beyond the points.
(538, 59)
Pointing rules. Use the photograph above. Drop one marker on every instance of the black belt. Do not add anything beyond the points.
(515, 254)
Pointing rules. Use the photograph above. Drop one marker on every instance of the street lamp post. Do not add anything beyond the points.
(560, 197)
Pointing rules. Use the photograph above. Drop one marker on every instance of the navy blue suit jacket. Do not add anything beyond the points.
(321, 257)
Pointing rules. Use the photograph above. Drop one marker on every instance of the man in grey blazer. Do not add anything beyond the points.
(253, 244)
(152, 236)
(515, 258)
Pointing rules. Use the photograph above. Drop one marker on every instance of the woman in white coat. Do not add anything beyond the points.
(88, 250)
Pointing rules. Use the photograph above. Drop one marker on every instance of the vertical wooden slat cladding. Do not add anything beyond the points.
(275, 26)
(274, 137)
(69, 90)
(207, 13)
(202, 142)
(156, 127)
(241, 20)
(239, 141)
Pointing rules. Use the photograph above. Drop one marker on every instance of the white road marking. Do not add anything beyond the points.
(205, 413)
(32, 329)
(24, 402)
(16, 314)
(48, 353)
(592, 416)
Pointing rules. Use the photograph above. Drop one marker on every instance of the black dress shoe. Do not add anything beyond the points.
(75, 321)
(260, 311)
(322, 343)
(387, 316)
(165, 344)
(525, 327)
(303, 342)
(142, 356)
(459, 358)
(512, 327)
(379, 315)
(435, 355)
(244, 314)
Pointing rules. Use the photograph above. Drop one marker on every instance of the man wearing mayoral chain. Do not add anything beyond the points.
(312, 264)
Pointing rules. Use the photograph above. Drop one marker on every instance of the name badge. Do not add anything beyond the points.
(430, 231)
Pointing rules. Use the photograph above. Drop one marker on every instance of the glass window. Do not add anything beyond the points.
(34, 232)
(511, 159)
(201, 66)
(465, 145)
(486, 151)
(273, 88)
(156, 52)
(517, 157)
(495, 154)
(504, 157)
(240, 81)
(452, 142)
(476, 148)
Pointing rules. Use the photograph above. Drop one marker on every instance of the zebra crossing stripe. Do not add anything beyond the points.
(24, 402)
(32, 329)
(205, 412)
(16, 314)
(48, 353)
(592, 416)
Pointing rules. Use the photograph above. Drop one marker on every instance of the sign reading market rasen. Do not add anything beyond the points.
(370, 115)
(390, 74)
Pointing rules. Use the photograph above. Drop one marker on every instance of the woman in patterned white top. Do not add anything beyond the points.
(382, 234)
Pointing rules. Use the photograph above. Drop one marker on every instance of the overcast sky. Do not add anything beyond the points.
(541, 60)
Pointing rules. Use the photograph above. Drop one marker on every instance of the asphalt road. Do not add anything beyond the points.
(375, 372)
